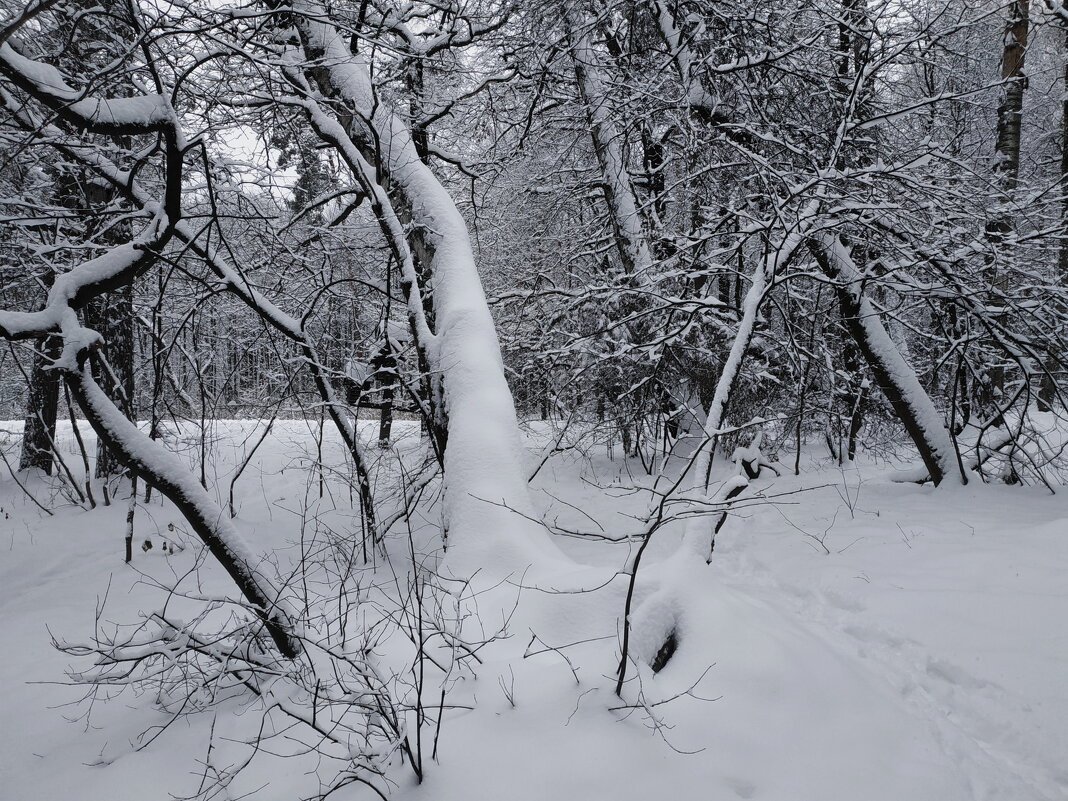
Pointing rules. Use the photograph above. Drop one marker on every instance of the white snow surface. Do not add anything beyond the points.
(924, 657)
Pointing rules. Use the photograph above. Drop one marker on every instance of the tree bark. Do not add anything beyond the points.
(112, 316)
(1001, 227)
(1048, 390)
(894, 376)
(1063, 250)
(39, 433)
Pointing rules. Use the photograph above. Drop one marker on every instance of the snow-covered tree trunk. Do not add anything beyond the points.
(697, 540)
(700, 99)
(894, 375)
(150, 460)
(632, 240)
(487, 504)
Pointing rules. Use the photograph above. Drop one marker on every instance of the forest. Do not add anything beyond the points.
(525, 399)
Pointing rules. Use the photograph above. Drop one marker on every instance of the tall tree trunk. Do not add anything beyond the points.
(1048, 390)
(1063, 251)
(854, 45)
(1002, 224)
(388, 380)
(631, 241)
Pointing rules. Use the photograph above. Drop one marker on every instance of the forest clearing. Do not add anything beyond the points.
(574, 399)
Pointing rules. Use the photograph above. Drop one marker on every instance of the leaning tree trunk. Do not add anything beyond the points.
(699, 529)
(150, 460)
(894, 376)
(113, 270)
(487, 504)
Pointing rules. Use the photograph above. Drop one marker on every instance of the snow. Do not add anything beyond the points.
(918, 653)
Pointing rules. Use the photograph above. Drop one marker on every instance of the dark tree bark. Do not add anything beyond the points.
(1063, 251)
(858, 398)
(1048, 390)
(388, 379)
(38, 436)
(1002, 224)
(112, 316)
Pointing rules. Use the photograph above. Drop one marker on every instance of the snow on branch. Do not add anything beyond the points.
(124, 116)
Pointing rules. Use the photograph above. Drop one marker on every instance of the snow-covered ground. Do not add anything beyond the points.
(862, 639)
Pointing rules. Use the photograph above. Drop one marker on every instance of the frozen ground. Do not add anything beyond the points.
(863, 639)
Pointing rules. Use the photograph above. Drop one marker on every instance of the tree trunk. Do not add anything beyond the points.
(858, 396)
(1063, 251)
(895, 377)
(487, 505)
(387, 372)
(150, 460)
(608, 139)
(112, 315)
(39, 434)
(699, 529)
(1048, 390)
(1002, 224)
